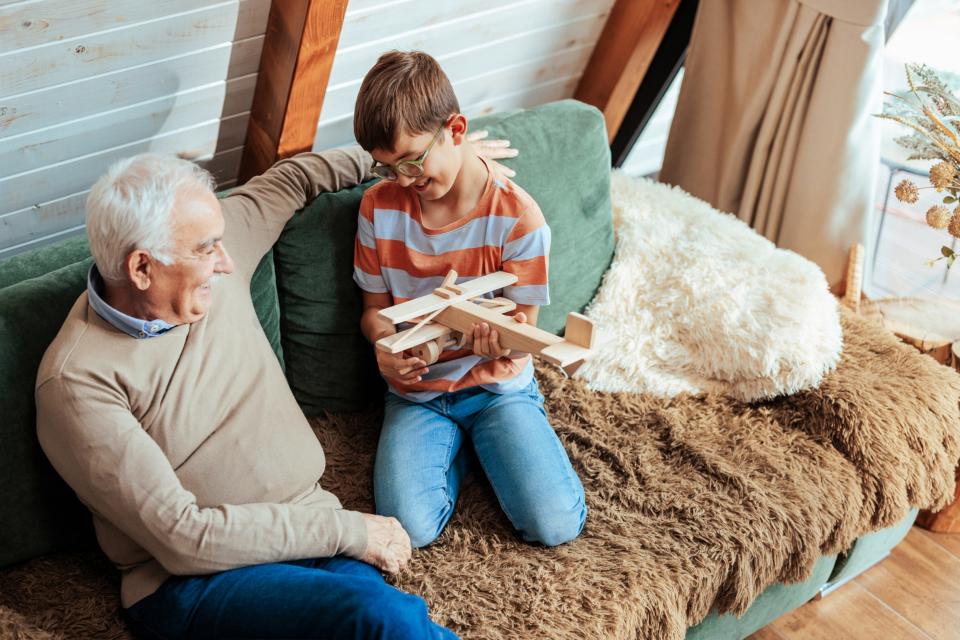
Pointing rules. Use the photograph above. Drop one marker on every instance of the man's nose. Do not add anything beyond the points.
(225, 262)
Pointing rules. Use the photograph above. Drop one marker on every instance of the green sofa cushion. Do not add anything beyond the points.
(31, 264)
(28, 265)
(39, 513)
(266, 302)
(330, 365)
(776, 600)
(564, 163)
(870, 549)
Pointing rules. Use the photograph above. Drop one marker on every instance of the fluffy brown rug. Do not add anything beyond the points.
(695, 502)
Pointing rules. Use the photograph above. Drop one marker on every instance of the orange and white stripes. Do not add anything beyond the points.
(394, 253)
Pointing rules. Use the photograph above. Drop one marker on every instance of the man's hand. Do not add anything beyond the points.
(388, 545)
(396, 366)
(493, 150)
(486, 341)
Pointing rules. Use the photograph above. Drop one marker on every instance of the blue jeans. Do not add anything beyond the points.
(336, 598)
(421, 461)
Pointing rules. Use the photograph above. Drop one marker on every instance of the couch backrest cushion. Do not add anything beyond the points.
(330, 365)
(36, 263)
(39, 513)
(564, 163)
(29, 265)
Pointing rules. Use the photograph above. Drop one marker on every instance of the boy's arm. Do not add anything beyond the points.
(373, 326)
(376, 296)
(525, 254)
(392, 365)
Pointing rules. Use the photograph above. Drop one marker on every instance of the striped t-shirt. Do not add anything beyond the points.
(394, 253)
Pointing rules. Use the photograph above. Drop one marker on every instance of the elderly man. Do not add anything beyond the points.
(162, 405)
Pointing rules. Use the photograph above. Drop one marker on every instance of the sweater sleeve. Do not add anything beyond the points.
(120, 473)
(256, 213)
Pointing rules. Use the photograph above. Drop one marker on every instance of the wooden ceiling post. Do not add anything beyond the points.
(630, 38)
(298, 52)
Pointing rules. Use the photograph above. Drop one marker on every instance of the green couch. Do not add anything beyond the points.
(309, 309)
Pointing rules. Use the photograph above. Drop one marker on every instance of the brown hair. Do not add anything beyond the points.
(405, 92)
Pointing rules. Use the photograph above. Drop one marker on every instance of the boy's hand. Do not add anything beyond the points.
(398, 367)
(493, 150)
(486, 341)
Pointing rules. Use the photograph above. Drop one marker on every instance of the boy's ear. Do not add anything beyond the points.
(458, 128)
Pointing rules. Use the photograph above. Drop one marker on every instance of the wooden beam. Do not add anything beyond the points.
(298, 51)
(630, 38)
(663, 69)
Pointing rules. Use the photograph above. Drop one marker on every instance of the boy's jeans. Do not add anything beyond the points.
(421, 461)
(337, 598)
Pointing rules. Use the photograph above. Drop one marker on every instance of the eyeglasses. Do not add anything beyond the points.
(408, 168)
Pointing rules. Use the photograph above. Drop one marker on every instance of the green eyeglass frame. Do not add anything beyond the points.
(408, 168)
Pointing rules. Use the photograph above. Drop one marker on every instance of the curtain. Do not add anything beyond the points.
(774, 120)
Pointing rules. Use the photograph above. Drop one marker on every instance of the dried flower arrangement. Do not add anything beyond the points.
(932, 112)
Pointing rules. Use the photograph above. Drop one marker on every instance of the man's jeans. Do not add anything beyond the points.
(336, 598)
(421, 461)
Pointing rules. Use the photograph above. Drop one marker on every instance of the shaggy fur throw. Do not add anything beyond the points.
(696, 502)
(696, 301)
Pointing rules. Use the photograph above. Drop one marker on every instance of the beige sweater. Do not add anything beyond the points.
(189, 448)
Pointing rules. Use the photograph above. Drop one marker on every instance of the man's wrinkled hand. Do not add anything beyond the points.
(388, 545)
(494, 150)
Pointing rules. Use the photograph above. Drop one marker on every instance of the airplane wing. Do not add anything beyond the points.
(426, 304)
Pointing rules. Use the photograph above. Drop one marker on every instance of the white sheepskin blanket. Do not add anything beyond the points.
(696, 301)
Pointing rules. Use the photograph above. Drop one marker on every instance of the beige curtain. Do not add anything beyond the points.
(774, 120)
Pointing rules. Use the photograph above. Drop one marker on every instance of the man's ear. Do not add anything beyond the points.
(458, 128)
(139, 269)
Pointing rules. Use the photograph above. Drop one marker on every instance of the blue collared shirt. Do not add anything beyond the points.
(132, 326)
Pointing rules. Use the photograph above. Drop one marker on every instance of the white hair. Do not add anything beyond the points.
(131, 207)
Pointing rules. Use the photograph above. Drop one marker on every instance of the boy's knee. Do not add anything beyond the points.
(422, 525)
(556, 528)
(422, 533)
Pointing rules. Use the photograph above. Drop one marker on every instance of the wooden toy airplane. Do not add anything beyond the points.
(446, 317)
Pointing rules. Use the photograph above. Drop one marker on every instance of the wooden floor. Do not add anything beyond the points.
(913, 594)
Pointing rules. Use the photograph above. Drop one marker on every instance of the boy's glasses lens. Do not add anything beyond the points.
(410, 170)
(384, 172)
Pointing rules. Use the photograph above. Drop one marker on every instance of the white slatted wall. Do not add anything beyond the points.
(85, 82)
(499, 54)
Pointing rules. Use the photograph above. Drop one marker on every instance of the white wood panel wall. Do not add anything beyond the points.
(86, 82)
(499, 54)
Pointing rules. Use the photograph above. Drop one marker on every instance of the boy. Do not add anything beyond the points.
(440, 206)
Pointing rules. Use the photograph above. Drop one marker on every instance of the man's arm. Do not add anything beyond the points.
(257, 212)
(123, 476)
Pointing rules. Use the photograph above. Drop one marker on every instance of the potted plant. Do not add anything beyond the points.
(932, 112)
